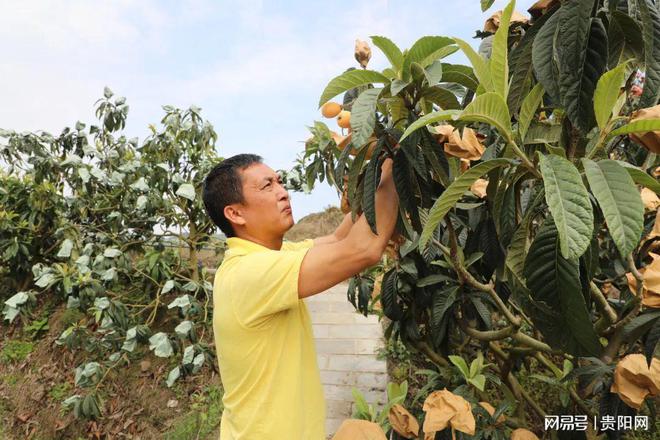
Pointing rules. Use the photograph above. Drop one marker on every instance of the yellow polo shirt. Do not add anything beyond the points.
(265, 346)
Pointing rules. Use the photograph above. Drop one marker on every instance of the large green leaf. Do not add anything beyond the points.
(442, 97)
(544, 60)
(641, 126)
(606, 94)
(520, 64)
(421, 50)
(460, 74)
(651, 33)
(499, 66)
(453, 193)
(569, 204)
(442, 115)
(528, 109)
(582, 49)
(363, 116)
(619, 200)
(624, 39)
(370, 186)
(391, 51)
(554, 283)
(433, 73)
(640, 177)
(389, 296)
(489, 108)
(515, 255)
(349, 80)
(479, 65)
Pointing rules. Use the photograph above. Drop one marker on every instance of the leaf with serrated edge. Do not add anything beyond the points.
(607, 92)
(490, 108)
(499, 66)
(569, 204)
(453, 193)
(363, 116)
(391, 51)
(349, 80)
(478, 64)
(443, 115)
(528, 108)
(619, 200)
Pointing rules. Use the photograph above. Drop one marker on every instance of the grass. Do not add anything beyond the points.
(15, 351)
(202, 419)
(60, 391)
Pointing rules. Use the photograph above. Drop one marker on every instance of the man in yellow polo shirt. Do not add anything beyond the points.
(263, 333)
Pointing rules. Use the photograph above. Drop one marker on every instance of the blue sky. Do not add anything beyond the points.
(256, 68)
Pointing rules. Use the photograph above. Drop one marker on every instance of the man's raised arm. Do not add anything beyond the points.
(326, 265)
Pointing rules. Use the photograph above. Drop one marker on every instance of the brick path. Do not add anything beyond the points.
(346, 343)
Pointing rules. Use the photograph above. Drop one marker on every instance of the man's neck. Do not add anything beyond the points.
(274, 243)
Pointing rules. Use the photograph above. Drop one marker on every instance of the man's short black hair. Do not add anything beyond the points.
(223, 186)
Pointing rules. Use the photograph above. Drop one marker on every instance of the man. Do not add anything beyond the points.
(261, 325)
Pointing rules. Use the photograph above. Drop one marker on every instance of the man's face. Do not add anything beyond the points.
(266, 206)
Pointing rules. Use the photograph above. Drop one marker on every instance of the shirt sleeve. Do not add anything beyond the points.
(268, 284)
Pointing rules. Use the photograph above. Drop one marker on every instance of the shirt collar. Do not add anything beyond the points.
(239, 246)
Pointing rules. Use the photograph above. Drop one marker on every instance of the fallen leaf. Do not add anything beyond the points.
(362, 53)
(634, 380)
(539, 8)
(650, 199)
(491, 410)
(403, 422)
(145, 365)
(353, 429)
(650, 139)
(655, 232)
(523, 434)
(478, 188)
(493, 22)
(444, 408)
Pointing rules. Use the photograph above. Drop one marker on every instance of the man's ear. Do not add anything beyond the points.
(234, 215)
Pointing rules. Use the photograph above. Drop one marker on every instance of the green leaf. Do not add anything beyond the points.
(160, 343)
(174, 374)
(528, 109)
(65, 249)
(349, 80)
(499, 66)
(624, 39)
(461, 365)
(543, 57)
(489, 108)
(582, 48)
(459, 74)
(453, 194)
(442, 115)
(479, 65)
(391, 51)
(421, 49)
(521, 69)
(397, 86)
(389, 296)
(485, 4)
(363, 116)
(554, 283)
(619, 200)
(433, 73)
(444, 98)
(569, 204)
(640, 177)
(369, 195)
(479, 381)
(606, 94)
(651, 33)
(186, 190)
(641, 126)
